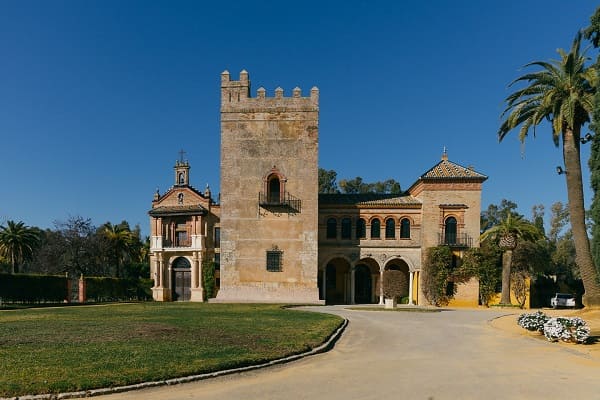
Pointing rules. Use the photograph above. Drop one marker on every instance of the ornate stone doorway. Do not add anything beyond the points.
(182, 279)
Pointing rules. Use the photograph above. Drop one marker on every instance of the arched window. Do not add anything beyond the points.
(274, 190)
(331, 228)
(375, 229)
(405, 228)
(181, 178)
(450, 230)
(390, 228)
(346, 228)
(181, 262)
(361, 228)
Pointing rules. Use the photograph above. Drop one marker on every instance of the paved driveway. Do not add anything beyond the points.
(451, 354)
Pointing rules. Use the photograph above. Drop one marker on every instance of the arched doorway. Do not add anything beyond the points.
(363, 292)
(336, 285)
(182, 279)
(402, 266)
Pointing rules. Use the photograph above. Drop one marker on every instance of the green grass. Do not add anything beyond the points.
(54, 350)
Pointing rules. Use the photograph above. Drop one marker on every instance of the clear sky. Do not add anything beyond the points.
(98, 97)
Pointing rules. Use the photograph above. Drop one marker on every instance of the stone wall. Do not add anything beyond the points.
(263, 137)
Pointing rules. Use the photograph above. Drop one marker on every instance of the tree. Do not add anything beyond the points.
(18, 242)
(82, 249)
(356, 185)
(436, 275)
(495, 213)
(121, 242)
(507, 234)
(593, 34)
(485, 263)
(561, 92)
(327, 183)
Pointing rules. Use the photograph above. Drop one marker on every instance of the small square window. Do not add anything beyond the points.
(274, 259)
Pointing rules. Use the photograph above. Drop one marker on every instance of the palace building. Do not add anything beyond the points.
(274, 238)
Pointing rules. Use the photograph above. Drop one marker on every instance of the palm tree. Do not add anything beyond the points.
(561, 92)
(120, 239)
(507, 234)
(17, 242)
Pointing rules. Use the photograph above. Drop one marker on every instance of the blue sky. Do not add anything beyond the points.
(98, 97)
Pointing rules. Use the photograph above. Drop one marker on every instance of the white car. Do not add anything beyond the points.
(562, 300)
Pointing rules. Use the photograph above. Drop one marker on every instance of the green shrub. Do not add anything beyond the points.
(25, 288)
(100, 289)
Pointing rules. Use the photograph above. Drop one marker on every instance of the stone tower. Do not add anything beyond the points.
(269, 194)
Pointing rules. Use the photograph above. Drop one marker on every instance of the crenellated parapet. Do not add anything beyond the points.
(236, 97)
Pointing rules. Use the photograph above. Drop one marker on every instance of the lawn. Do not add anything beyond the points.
(52, 350)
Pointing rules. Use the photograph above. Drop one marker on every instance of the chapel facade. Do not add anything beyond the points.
(274, 238)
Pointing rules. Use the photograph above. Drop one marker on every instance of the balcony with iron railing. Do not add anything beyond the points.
(177, 242)
(455, 240)
(284, 202)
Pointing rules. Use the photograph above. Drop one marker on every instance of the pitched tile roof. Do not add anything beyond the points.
(448, 170)
(368, 199)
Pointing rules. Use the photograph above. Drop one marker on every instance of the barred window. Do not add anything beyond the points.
(274, 260)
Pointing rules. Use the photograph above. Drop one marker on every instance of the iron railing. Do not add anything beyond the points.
(283, 202)
(455, 240)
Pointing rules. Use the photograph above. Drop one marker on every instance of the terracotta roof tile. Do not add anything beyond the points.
(448, 170)
(368, 199)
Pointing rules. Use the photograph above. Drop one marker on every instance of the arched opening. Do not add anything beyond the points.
(181, 178)
(346, 228)
(182, 279)
(390, 228)
(405, 228)
(363, 292)
(361, 228)
(450, 231)
(331, 228)
(404, 277)
(274, 190)
(366, 282)
(336, 282)
(375, 229)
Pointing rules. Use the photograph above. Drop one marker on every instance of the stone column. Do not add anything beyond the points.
(195, 270)
(381, 286)
(352, 284)
(410, 288)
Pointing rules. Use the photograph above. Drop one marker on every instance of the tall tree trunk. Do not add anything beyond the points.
(583, 255)
(506, 266)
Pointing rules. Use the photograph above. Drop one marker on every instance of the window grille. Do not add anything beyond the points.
(274, 260)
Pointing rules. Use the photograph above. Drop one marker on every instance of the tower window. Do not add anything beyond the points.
(274, 194)
(274, 260)
(450, 230)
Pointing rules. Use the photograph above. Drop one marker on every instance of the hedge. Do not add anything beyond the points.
(32, 288)
(113, 289)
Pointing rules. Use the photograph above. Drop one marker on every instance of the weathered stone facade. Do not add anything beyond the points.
(269, 159)
(280, 241)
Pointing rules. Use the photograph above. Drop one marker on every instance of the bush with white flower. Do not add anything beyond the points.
(533, 321)
(573, 330)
